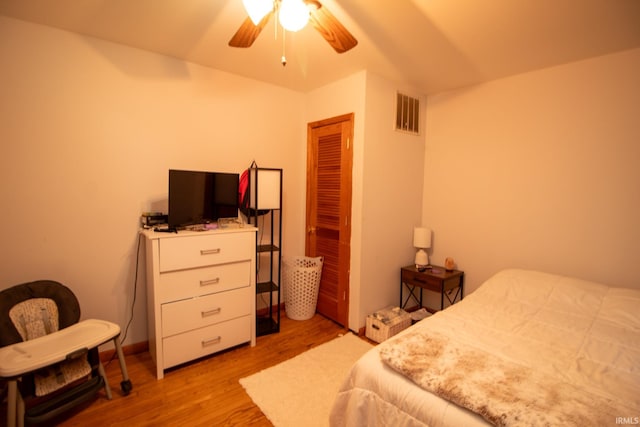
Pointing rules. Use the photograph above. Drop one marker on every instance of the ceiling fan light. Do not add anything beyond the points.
(257, 9)
(294, 14)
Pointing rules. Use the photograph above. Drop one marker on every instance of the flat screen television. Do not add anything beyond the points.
(197, 197)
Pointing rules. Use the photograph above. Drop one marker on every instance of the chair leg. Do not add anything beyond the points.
(20, 410)
(125, 384)
(12, 403)
(107, 389)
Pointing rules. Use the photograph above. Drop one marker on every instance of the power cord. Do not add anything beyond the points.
(135, 289)
(133, 303)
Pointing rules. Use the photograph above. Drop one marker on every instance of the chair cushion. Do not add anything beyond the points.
(35, 317)
(55, 377)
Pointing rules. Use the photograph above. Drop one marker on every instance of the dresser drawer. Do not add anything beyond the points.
(198, 312)
(177, 285)
(204, 341)
(199, 251)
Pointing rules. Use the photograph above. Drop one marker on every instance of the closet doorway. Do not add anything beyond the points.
(328, 222)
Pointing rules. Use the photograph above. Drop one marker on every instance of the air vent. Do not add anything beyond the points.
(407, 114)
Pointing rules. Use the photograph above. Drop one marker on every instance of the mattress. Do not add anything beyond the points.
(581, 334)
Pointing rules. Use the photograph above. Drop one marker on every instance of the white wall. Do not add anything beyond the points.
(392, 197)
(535, 171)
(539, 171)
(342, 97)
(89, 130)
(387, 188)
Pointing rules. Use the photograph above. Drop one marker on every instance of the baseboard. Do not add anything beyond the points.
(127, 350)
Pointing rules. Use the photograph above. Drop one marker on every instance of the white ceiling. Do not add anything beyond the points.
(432, 45)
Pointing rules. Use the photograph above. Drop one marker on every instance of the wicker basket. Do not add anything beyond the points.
(301, 286)
(386, 323)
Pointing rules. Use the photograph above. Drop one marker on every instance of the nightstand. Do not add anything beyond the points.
(436, 279)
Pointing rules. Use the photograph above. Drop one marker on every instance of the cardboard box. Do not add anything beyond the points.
(387, 322)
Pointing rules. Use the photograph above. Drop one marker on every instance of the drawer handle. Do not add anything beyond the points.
(211, 312)
(209, 251)
(419, 280)
(212, 341)
(210, 282)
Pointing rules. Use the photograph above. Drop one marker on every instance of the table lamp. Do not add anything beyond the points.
(422, 241)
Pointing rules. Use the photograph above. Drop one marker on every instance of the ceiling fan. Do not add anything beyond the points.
(321, 18)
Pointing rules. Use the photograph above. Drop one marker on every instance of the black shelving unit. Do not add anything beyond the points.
(265, 213)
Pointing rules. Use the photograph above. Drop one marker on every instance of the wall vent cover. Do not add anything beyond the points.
(407, 114)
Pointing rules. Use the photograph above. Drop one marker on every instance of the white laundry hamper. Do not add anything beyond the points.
(301, 285)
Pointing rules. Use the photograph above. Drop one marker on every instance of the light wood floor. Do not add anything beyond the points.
(203, 393)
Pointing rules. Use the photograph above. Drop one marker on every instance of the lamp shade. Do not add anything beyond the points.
(267, 182)
(422, 237)
(257, 9)
(294, 14)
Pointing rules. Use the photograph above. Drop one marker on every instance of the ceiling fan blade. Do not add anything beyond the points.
(331, 29)
(248, 32)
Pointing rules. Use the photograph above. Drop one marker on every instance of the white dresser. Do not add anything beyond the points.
(200, 293)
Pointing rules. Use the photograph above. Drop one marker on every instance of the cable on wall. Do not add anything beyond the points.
(133, 303)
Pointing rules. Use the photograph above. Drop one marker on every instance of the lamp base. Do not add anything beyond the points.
(422, 260)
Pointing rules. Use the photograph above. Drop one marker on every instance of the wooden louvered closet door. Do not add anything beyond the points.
(329, 163)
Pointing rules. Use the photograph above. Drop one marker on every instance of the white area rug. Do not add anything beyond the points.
(300, 391)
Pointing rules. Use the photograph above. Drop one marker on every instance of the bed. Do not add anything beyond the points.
(526, 348)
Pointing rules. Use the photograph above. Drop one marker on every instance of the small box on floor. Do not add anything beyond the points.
(418, 315)
(386, 323)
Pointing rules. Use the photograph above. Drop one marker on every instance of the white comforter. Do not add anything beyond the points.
(582, 333)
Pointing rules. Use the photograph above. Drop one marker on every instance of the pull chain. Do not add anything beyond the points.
(284, 59)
